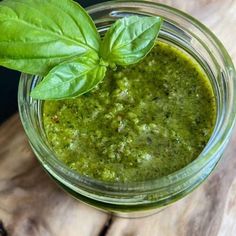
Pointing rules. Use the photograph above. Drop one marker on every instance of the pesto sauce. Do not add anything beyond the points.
(142, 122)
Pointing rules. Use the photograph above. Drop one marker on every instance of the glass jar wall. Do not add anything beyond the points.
(186, 33)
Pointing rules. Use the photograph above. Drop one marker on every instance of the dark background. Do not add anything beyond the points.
(9, 82)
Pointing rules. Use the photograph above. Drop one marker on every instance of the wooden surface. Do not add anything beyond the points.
(31, 204)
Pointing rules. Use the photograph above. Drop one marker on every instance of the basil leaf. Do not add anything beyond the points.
(37, 35)
(130, 39)
(71, 79)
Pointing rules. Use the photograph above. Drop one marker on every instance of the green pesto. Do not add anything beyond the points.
(142, 122)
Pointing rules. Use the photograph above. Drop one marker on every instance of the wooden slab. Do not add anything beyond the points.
(31, 204)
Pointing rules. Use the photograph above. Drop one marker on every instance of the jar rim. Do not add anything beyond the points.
(214, 145)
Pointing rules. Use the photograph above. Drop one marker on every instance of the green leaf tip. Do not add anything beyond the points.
(70, 79)
(130, 39)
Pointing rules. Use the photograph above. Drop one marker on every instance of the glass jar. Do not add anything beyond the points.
(184, 32)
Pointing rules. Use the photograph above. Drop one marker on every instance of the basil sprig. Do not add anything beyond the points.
(58, 40)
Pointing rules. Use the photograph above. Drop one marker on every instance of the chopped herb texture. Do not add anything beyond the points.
(142, 122)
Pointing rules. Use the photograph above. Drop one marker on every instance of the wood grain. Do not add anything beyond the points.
(31, 204)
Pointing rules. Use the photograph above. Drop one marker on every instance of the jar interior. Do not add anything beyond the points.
(170, 34)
